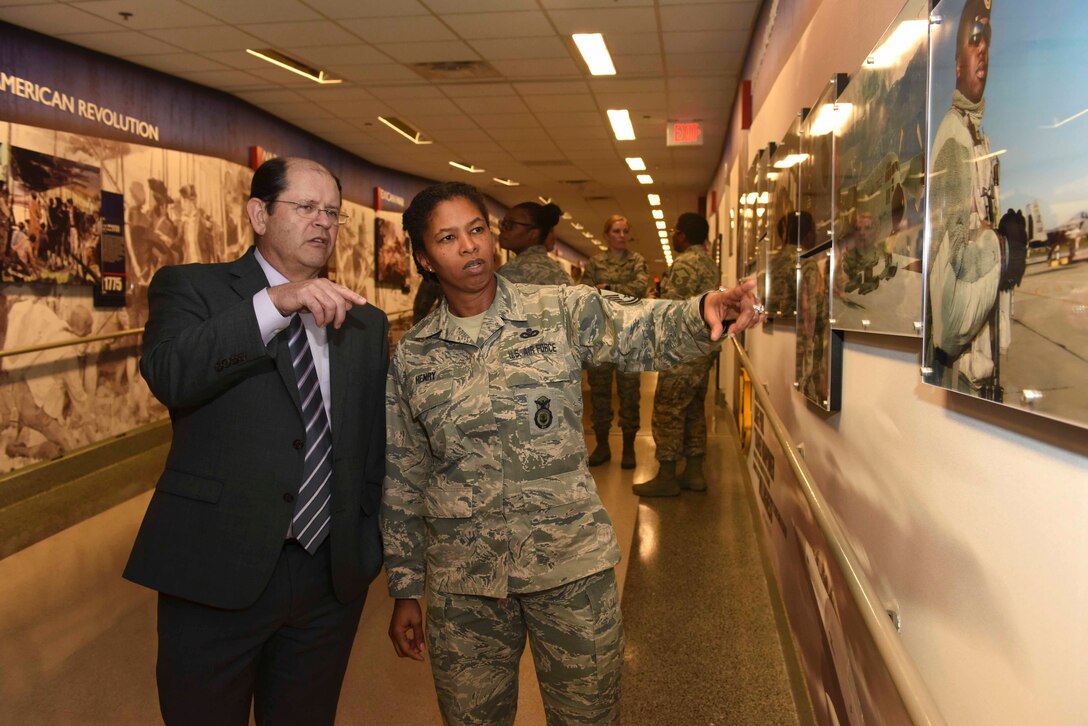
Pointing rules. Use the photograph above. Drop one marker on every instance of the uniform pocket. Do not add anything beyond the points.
(431, 406)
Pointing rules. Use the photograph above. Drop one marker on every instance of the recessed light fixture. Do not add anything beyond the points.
(595, 53)
(506, 182)
(406, 130)
(621, 124)
(467, 167)
(290, 64)
(636, 163)
(645, 179)
(654, 199)
(660, 224)
(657, 214)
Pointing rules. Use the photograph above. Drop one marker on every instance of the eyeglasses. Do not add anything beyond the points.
(309, 210)
(507, 225)
(979, 31)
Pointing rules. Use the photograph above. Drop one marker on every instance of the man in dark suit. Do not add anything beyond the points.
(262, 534)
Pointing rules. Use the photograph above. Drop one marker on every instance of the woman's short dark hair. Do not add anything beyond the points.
(543, 216)
(419, 212)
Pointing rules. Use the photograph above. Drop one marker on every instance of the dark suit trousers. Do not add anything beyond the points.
(286, 654)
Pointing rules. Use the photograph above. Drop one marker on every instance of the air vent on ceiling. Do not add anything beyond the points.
(453, 70)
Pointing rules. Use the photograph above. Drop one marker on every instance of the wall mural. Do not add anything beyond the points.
(178, 207)
(879, 170)
(1006, 279)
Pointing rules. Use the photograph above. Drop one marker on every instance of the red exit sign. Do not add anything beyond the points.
(684, 133)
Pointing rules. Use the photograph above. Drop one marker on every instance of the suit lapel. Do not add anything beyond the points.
(249, 280)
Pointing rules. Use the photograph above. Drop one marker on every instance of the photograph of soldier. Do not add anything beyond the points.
(58, 203)
(1003, 324)
(489, 510)
(816, 171)
(879, 171)
(525, 231)
(390, 252)
(679, 420)
(624, 271)
(818, 362)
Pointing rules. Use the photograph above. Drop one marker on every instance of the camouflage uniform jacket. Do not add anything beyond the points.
(624, 273)
(691, 274)
(487, 490)
(535, 267)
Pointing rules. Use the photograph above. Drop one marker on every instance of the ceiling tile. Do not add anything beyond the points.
(229, 80)
(452, 7)
(724, 84)
(377, 73)
(473, 26)
(399, 30)
(419, 90)
(460, 135)
(148, 13)
(570, 102)
(680, 64)
(492, 104)
(430, 125)
(527, 134)
(503, 48)
(551, 88)
(122, 43)
(246, 11)
(559, 120)
(561, 4)
(473, 90)
(303, 33)
(708, 16)
(503, 120)
(175, 62)
(632, 65)
(341, 93)
(633, 85)
(271, 95)
(560, 133)
(734, 41)
(633, 102)
(632, 20)
(360, 109)
(411, 107)
(328, 57)
(210, 38)
(433, 52)
(367, 8)
(543, 68)
(57, 20)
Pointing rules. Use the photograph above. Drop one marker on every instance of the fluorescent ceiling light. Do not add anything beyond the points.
(830, 119)
(764, 198)
(545, 200)
(663, 234)
(587, 235)
(636, 163)
(654, 199)
(577, 226)
(621, 124)
(290, 64)
(467, 167)
(660, 224)
(902, 42)
(752, 197)
(657, 214)
(595, 53)
(506, 182)
(406, 130)
(645, 179)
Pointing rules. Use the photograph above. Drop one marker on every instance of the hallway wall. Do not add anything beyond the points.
(967, 516)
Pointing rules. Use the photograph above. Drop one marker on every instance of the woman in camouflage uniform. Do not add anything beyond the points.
(489, 509)
(525, 231)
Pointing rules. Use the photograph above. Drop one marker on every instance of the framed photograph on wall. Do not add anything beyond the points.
(1006, 273)
(391, 255)
(879, 173)
(819, 348)
(781, 242)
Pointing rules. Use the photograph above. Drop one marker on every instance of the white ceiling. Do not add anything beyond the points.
(541, 121)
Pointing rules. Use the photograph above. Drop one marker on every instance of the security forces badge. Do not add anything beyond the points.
(538, 412)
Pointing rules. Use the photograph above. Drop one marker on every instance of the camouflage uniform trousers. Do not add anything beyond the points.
(679, 420)
(600, 392)
(576, 634)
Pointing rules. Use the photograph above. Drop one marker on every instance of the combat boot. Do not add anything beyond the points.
(628, 460)
(665, 484)
(602, 453)
(693, 477)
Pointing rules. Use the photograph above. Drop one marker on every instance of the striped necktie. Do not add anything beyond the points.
(311, 521)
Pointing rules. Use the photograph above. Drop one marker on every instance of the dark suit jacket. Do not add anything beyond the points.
(216, 523)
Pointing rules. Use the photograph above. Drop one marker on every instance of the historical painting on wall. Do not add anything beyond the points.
(390, 251)
(879, 170)
(1006, 265)
(55, 211)
(781, 242)
(819, 349)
